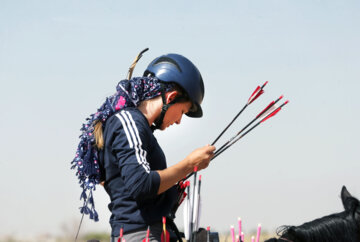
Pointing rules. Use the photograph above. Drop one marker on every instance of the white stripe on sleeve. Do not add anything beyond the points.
(142, 152)
(126, 130)
(137, 145)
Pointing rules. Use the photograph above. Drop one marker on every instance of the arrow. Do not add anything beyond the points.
(258, 233)
(258, 91)
(147, 238)
(208, 234)
(239, 224)
(121, 233)
(187, 209)
(165, 236)
(272, 114)
(196, 215)
(271, 107)
(192, 206)
(232, 233)
(266, 111)
(184, 194)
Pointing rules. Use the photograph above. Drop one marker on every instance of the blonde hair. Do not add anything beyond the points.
(98, 134)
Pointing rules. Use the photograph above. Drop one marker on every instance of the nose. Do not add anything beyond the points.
(179, 120)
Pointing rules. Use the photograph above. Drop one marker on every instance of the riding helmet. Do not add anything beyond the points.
(180, 70)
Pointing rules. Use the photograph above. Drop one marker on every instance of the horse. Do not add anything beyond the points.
(343, 226)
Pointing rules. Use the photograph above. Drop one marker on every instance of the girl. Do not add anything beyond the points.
(118, 147)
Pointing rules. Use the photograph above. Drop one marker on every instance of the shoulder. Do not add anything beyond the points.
(131, 116)
(128, 120)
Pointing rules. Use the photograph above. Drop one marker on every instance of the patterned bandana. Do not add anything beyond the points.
(129, 93)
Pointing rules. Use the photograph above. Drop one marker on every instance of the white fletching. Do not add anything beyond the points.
(187, 224)
(196, 209)
(268, 111)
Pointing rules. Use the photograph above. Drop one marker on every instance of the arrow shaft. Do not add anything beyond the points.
(192, 207)
(251, 122)
(227, 143)
(237, 115)
(249, 130)
(258, 91)
(234, 139)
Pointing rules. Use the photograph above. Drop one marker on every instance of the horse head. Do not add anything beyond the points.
(343, 226)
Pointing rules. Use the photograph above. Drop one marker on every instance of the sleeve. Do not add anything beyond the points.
(130, 148)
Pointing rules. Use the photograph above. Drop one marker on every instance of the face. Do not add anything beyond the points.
(174, 114)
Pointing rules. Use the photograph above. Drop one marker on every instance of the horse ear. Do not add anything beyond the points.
(345, 194)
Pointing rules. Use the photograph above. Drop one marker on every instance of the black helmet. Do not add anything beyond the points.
(178, 69)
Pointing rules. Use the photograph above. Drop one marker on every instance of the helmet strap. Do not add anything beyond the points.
(158, 122)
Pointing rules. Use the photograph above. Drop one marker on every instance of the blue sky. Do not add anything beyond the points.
(60, 59)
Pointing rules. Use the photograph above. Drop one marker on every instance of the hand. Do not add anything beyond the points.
(201, 157)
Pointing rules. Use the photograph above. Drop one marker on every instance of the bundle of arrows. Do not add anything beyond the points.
(192, 206)
(270, 111)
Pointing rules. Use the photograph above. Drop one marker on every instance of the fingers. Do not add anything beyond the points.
(206, 156)
(210, 150)
(201, 157)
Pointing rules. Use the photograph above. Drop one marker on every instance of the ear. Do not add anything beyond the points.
(170, 96)
(346, 198)
(345, 193)
(350, 203)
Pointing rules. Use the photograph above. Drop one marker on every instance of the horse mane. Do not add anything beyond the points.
(343, 226)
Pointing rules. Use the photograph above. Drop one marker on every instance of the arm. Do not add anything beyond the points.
(134, 169)
(129, 145)
(200, 157)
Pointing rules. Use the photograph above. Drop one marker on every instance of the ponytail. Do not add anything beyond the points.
(98, 134)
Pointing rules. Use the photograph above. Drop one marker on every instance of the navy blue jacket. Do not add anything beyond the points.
(130, 158)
